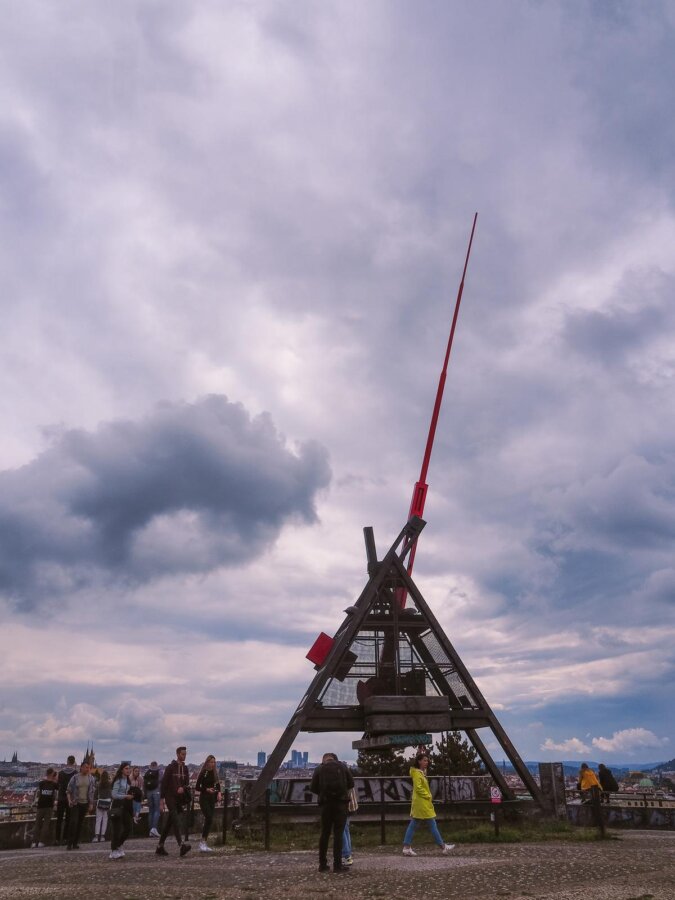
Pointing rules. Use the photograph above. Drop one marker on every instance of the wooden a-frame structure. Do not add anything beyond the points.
(391, 670)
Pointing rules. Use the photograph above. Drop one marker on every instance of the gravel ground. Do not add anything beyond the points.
(638, 866)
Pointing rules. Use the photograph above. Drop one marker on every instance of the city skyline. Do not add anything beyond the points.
(232, 239)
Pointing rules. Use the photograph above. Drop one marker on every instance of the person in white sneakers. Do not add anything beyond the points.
(208, 786)
(121, 810)
(422, 808)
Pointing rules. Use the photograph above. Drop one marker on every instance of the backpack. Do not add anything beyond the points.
(333, 781)
(151, 780)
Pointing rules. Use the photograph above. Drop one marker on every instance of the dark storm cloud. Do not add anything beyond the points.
(189, 488)
(641, 311)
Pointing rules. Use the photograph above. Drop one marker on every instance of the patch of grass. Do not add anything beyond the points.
(297, 836)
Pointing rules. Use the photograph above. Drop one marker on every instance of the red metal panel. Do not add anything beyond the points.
(320, 649)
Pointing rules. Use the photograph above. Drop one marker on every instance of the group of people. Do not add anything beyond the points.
(333, 783)
(596, 787)
(77, 793)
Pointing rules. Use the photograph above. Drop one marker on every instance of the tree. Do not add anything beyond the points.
(454, 756)
(387, 761)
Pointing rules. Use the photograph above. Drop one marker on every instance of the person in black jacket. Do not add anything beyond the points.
(174, 799)
(45, 795)
(151, 788)
(607, 782)
(332, 781)
(208, 786)
(62, 805)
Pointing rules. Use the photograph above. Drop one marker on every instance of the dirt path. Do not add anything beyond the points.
(639, 866)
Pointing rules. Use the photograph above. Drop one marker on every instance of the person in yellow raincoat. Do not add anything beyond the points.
(588, 784)
(422, 807)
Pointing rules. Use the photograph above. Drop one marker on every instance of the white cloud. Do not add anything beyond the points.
(572, 745)
(629, 740)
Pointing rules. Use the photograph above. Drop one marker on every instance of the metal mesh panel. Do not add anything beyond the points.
(447, 670)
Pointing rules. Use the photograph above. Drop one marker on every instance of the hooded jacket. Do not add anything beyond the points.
(421, 806)
(588, 780)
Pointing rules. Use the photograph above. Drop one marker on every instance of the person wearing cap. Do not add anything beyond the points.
(174, 799)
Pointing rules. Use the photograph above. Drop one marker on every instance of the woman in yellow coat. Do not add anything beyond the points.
(422, 808)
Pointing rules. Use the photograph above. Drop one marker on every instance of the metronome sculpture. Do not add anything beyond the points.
(390, 671)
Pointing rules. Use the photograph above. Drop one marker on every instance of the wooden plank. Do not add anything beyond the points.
(384, 723)
(391, 740)
(406, 704)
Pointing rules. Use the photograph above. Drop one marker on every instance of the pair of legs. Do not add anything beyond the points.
(172, 823)
(77, 816)
(346, 842)
(62, 820)
(207, 804)
(333, 820)
(153, 810)
(433, 828)
(43, 821)
(101, 823)
(121, 827)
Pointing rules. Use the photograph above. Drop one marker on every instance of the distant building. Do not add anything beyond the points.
(262, 758)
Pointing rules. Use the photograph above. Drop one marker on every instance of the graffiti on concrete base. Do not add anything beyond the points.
(392, 790)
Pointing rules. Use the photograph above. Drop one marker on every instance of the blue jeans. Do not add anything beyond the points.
(433, 828)
(153, 809)
(346, 842)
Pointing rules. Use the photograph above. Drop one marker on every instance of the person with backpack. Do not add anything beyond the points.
(62, 805)
(174, 799)
(422, 807)
(103, 804)
(332, 782)
(151, 788)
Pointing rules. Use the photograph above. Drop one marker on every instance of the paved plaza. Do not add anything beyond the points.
(637, 865)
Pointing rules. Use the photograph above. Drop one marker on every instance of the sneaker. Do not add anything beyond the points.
(114, 855)
(121, 853)
(324, 867)
(204, 847)
(408, 851)
(33, 845)
(160, 851)
(154, 832)
(447, 848)
(347, 860)
(185, 848)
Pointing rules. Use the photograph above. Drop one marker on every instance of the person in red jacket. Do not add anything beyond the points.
(174, 795)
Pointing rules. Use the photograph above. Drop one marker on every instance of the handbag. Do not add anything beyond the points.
(116, 809)
(352, 801)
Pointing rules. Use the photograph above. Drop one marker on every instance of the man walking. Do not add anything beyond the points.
(151, 788)
(332, 781)
(174, 798)
(62, 806)
(81, 792)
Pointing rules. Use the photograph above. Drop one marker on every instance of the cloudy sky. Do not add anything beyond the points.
(231, 238)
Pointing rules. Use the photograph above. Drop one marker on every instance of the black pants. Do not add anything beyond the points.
(173, 822)
(121, 827)
(207, 804)
(333, 818)
(77, 816)
(62, 812)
